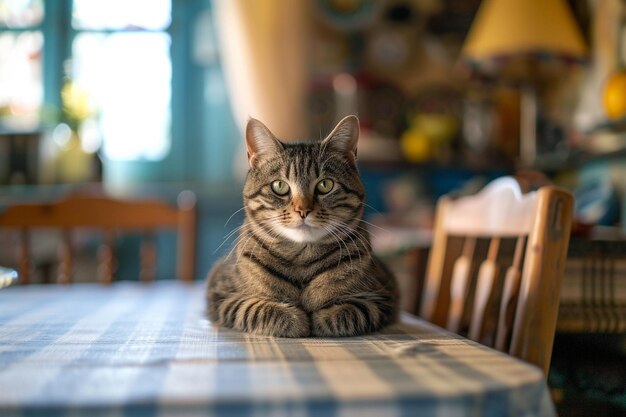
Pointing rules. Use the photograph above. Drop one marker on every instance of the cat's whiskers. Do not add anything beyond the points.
(241, 236)
(256, 244)
(232, 215)
(348, 231)
(241, 245)
(366, 231)
(237, 242)
(271, 228)
(364, 237)
(334, 236)
(272, 234)
(231, 233)
(267, 229)
(242, 249)
(337, 226)
(373, 225)
(339, 230)
(227, 237)
(363, 203)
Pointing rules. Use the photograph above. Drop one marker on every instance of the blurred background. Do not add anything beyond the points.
(149, 97)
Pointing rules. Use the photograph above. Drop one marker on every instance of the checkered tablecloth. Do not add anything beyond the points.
(133, 349)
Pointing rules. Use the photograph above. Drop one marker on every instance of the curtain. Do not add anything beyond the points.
(264, 58)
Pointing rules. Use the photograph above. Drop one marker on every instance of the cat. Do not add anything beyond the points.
(303, 263)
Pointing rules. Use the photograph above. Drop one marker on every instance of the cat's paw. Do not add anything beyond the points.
(280, 320)
(340, 320)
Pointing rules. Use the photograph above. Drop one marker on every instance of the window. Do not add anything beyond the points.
(21, 47)
(144, 72)
(121, 58)
(118, 59)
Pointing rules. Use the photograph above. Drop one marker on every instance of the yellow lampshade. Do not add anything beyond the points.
(525, 42)
(509, 28)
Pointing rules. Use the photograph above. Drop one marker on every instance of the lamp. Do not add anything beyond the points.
(524, 42)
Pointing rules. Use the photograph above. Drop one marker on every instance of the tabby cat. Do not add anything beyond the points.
(302, 264)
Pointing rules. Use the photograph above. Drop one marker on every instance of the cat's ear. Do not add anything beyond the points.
(344, 136)
(260, 141)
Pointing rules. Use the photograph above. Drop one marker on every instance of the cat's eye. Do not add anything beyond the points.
(280, 187)
(324, 186)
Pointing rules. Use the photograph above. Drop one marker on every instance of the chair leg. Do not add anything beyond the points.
(24, 257)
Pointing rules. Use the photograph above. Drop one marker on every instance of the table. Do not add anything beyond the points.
(147, 349)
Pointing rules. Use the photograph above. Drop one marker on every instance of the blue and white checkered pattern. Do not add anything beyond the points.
(133, 349)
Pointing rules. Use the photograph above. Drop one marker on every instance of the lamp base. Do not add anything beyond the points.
(528, 125)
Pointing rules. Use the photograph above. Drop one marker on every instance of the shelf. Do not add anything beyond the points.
(614, 126)
(575, 158)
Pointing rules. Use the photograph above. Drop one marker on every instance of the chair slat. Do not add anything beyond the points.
(186, 236)
(148, 256)
(510, 292)
(487, 275)
(436, 289)
(66, 258)
(106, 257)
(459, 285)
(23, 255)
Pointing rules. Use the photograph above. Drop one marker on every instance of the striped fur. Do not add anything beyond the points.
(302, 264)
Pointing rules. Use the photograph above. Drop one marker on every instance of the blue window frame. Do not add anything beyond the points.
(200, 143)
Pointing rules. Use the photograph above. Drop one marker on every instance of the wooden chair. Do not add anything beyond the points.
(110, 216)
(500, 244)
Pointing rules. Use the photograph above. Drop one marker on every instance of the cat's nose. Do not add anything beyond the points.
(303, 211)
(302, 206)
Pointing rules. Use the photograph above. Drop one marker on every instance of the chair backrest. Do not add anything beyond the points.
(110, 216)
(496, 267)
